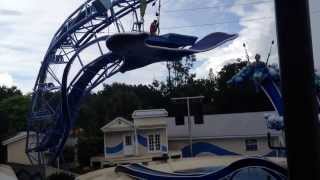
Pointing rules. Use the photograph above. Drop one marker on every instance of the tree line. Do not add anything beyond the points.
(119, 99)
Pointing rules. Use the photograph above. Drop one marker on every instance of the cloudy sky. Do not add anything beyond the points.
(26, 27)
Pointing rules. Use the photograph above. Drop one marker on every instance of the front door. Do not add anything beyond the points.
(129, 148)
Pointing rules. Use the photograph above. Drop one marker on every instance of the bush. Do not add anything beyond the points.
(87, 148)
(68, 154)
(61, 176)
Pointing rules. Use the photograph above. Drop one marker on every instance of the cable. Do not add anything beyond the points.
(219, 23)
(227, 22)
(219, 6)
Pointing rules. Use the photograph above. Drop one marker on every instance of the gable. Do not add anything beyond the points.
(18, 137)
(118, 123)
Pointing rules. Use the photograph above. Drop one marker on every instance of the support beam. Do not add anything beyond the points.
(298, 88)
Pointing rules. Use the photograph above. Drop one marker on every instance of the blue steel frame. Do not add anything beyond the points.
(51, 114)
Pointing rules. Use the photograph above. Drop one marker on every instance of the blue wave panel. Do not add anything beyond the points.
(269, 87)
(274, 153)
(116, 149)
(202, 147)
(142, 140)
(164, 148)
(263, 170)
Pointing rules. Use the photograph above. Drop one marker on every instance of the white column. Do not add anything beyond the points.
(105, 145)
(136, 140)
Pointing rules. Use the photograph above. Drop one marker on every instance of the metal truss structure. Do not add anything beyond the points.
(76, 61)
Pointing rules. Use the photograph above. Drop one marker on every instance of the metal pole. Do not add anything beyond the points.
(189, 127)
(298, 89)
(136, 140)
(189, 120)
(159, 11)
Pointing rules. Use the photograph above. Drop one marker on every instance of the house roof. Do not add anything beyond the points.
(18, 137)
(118, 124)
(251, 124)
(150, 123)
(149, 113)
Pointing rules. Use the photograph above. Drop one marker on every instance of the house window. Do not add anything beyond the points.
(157, 142)
(198, 119)
(179, 119)
(197, 112)
(179, 111)
(251, 145)
(151, 142)
(154, 143)
(128, 141)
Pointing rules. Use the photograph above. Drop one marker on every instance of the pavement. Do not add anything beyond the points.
(184, 164)
(7, 173)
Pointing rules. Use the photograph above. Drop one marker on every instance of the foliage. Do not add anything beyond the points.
(89, 147)
(118, 99)
(229, 99)
(15, 109)
(61, 176)
(179, 71)
(68, 154)
(6, 92)
(121, 99)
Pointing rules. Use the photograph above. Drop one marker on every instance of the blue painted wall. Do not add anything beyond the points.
(144, 142)
(203, 147)
(116, 149)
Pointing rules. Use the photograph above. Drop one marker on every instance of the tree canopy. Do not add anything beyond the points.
(121, 100)
(219, 97)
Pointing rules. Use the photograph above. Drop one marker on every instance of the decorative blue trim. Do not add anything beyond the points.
(116, 149)
(202, 147)
(164, 148)
(270, 168)
(274, 153)
(274, 95)
(142, 140)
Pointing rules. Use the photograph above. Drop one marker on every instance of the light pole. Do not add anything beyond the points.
(189, 120)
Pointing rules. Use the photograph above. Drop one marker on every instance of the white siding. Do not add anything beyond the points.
(16, 152)
(222, 126)
(112, 140)
(235, 145)
(142, 150)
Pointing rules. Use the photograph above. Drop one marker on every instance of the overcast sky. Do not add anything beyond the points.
(27, 26)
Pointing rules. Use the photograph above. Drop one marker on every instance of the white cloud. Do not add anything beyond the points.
(6, 79)
(257, 34)
(27, 28)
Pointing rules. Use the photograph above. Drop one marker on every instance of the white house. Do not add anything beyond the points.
(223, 134)
(146, 135)
(16, 146)
(153, 133)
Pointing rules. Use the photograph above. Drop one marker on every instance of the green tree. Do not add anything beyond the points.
(179, 71)
(6, 92)
(15, 110)
(229, 99)
(89, 147)
(211, 76)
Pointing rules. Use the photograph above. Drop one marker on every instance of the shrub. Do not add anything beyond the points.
(87, 148)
